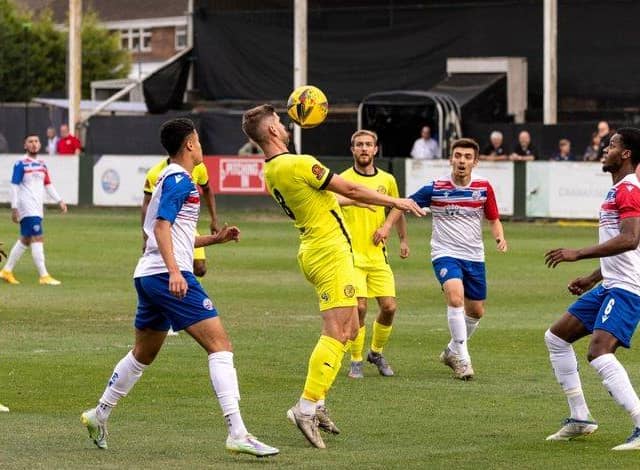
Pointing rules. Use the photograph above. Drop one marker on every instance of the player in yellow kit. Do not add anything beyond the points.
(305, 188)
(201, 179)
(374, 277)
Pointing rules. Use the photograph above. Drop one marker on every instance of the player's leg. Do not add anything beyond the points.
(18, 249)
(381, 284)
(37, 253)
(576, 323)
(151, 330)
(197, 315)
(357, 346)
(616, 322)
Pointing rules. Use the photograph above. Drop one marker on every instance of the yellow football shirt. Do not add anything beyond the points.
(297, 183)
(199, 175)
(362, 222)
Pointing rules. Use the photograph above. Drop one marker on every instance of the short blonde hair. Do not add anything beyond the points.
(252, 122)
(364, 132)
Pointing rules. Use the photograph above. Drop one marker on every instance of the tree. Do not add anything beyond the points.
(33, 54)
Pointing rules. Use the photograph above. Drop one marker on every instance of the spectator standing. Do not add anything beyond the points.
(605, 133)
(524, 151)
(495, 150)
(564, 152)
(52, 141)
(68, 143)
(426, 147)
(591, 152)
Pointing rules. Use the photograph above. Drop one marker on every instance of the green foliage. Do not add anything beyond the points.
(33, 54)
(58, 347)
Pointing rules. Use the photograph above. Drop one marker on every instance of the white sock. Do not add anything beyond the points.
(320, 403)
(124, 377)
(472, 325)
(565, 366)
(37, 253)
(307, 407)
(458, 329)
(616, 381)
(14, 255)
(225, 384)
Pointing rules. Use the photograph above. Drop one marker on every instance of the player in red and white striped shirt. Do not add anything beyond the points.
(459, 202)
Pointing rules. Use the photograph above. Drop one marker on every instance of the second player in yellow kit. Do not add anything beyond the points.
(305, 188)
(374, 277)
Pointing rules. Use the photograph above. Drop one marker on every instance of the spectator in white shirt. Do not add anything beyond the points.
(52, 141)
(426, 147)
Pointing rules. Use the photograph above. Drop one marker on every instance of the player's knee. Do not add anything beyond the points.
(199, 269)
(598, 348)
(455, 300)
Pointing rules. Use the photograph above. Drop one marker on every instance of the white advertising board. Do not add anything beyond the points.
(500, 174)
(118, 180)
(63, 170)
(572, 190)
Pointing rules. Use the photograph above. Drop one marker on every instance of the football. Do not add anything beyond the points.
(307, 106)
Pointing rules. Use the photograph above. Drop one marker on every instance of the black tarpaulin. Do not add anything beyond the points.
(164, 89)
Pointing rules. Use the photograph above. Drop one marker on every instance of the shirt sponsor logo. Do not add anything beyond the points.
(318, 171)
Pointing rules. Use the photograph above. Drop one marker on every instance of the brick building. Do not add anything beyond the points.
(153, 30)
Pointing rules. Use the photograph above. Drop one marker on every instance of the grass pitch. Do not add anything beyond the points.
(58, 346)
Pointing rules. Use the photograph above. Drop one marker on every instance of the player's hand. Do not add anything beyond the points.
(380, 235)
(14, 216)
(404, 249)
(226, 234)
(2, 253)
(178, 285)
(501, 245)
(581, 284)
(213, 227)
(554, 257)
(63, 207)
(409, 205)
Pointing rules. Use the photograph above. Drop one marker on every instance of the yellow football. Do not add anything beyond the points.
(307, 106)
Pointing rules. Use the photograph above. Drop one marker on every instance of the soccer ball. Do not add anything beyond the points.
(307, 106)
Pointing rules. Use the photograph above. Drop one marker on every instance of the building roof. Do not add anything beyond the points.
(111, 10)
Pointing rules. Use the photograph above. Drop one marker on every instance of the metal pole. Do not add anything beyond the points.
(299, 57)
(550, 99)
(74, 76)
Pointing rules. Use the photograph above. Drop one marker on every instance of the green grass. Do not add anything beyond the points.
(58, 347)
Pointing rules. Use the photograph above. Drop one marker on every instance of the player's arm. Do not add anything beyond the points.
(177, 283)
(146, 199)
(401, 228)
(628, 239)
(360, 193)
(582, 284)
(497, 231)
(224, 235)
(51, 191)
(422, 198)
(345, 201)
(210, 202)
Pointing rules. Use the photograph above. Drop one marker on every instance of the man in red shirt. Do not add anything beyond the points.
(68, 143)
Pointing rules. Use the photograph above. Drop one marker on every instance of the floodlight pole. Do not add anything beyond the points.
(550, 99)
(299, 57)
(74, 73)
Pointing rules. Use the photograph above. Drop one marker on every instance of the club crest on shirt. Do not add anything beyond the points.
(318, 171)
(349, 290)
(382, 190)
(207, 304)
(443, 272)
(475, 195)
(324, 296)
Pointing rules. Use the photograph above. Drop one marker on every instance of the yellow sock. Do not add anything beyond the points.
(358, 345)
(380, 337)
(324, 364)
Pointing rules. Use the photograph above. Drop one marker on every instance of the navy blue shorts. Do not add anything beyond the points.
(472, 273)
(158, 309)
(31, 226)
(615, 311)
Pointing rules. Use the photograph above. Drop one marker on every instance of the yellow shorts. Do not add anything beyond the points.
(332, 274)
(375, 281)
(199, 253)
